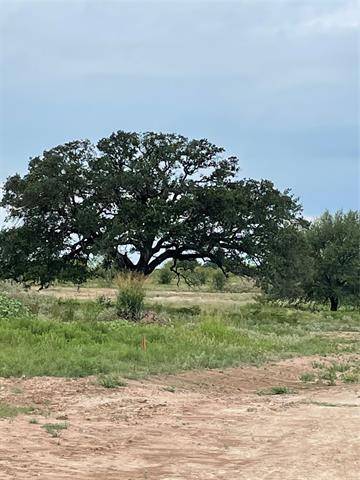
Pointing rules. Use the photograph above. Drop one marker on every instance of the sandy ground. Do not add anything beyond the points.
(197, 425)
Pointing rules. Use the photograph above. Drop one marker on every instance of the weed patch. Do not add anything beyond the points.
(170, 389)
(54, 429)
(347, 372)
(278, 390)
(9, 411)
(307, 377)
(111, 381)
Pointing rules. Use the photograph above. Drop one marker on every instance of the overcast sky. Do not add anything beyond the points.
(274, 82)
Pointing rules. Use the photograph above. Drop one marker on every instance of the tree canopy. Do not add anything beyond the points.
(334, 242)
(136, 200)
(321, 263)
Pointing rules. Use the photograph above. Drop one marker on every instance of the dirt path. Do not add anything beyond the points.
(193, 426)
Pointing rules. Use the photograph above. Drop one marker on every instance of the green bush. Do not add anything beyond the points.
(107, 315)
(10, 307)
(281, 390)
(165, 275)
(130, 297)
(32, 302)
(218, 280)
(103, 277)
(104, 301)
(200, 274)
(111, 381)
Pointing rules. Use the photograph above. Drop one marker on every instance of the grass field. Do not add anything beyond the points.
(83, 391)
(75, 338)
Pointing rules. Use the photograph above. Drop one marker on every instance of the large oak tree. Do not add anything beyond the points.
(137, 200)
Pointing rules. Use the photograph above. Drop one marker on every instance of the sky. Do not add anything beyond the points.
(275, 82)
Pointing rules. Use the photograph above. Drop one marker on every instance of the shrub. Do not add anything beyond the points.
(111, 381)
(165, 275)
(107, 315)
(329, 375)
(307, 377)
(192, 310)
(10, 307)
(32, 302)
(104, 276)
(218, 280)
(104, 301)
(54, 429)
(130, 297)
(278, 390)
(8, 411)
(200, 275)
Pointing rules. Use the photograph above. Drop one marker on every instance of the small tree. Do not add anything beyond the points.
(321, 263)
(165, 275)
(334, 242)
(287, 270)
(200, 274)
(218, 280)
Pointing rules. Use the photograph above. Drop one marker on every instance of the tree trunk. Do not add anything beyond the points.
(334, 303)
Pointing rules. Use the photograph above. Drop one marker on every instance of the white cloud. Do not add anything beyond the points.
(346, 17)
(171, 39)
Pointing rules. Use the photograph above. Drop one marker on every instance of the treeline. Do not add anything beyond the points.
(189, 274)
(193, 274)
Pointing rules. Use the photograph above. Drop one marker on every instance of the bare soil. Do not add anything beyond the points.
(197, 425)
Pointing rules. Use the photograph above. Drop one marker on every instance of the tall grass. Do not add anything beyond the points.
(35, 345)
(131, 295)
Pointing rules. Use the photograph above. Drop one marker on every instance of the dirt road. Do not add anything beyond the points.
(197, 425)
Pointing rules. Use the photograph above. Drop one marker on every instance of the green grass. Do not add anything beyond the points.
(307, 377)
(170, 389)
(65, 339)
(351, 377)
(54, 429)
(10, 411)
(111, 381)
(277, 390)
(347, 372)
